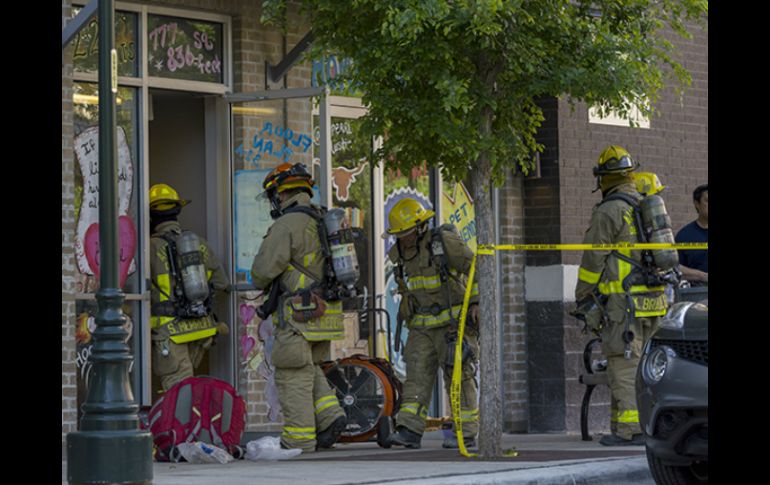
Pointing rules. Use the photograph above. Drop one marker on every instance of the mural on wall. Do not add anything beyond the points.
(87, 236)
(333, 70)
(279, 143)
(343, 178)
(457, 209)
(85, 325)
(256, 352)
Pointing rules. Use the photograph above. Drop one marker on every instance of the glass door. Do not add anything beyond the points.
(267, 128)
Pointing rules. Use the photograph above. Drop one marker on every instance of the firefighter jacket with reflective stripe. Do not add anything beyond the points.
(614, 222)
(163, 285)
(426, 291)
(293, 239)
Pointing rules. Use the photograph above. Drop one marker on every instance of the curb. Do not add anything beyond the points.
(608, 472)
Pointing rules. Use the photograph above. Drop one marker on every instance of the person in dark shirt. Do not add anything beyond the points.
(694, 264)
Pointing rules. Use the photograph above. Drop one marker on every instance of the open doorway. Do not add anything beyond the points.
(177, 145)
(177, 157)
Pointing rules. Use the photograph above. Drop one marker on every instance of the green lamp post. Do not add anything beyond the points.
(109, 447)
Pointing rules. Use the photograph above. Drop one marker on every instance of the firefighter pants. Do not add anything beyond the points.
(181, 360)
(624, 416)
(425, 351)
(308, 403)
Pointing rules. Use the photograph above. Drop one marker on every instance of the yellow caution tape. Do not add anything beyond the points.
(489, 250)
(454, 389)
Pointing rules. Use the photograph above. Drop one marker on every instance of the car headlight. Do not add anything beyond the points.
(656, 364)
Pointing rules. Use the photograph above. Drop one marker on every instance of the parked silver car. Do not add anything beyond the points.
(672, 396)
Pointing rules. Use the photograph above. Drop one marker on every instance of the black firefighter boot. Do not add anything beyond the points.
(452, 444)
(328, 437)
(404, 437)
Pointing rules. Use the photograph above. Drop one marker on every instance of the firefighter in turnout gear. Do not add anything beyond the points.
(184, 270)
(431, 272)
(625, 285)
(291, 266)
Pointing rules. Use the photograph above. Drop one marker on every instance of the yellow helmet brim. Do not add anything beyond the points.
(166, 204)
(400, 231)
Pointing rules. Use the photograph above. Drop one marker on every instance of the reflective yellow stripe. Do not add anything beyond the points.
(653, 313)
(611, 287)
(189, 337)
(617, 287)
(424, 320)
(324, 403)
(588, 276)
(614, 414)
(410, 407)
(164, 283)
(208, 274)
(424, 282)
(469, 415)
(156, 322)
(630, 416)
(475, 289)
(318, 336)
(646, 289)
(299, 433)
(624, 269)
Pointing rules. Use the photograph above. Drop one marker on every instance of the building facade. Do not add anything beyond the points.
(197, 109)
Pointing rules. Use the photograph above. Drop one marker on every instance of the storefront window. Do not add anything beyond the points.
(352, 191)
(85, 52)
(86, 121)
(263, 139)
(187, 49)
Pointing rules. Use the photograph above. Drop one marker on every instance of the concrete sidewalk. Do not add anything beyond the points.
(542, 459)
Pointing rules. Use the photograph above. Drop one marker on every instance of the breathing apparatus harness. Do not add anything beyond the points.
(192, 295)
(439, 259)
(340, 267)
(650, 272)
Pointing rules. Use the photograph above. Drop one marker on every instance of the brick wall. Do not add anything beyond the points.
(513, 324)
(541, 195)
(68, 384)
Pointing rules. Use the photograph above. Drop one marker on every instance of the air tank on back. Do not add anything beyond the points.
(343, 251)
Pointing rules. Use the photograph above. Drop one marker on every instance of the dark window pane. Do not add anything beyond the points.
(85, 52)
(184, 49)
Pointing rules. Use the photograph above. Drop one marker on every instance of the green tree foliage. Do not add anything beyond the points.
(429, 68)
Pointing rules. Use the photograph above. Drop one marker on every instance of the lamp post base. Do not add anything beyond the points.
(109, 457)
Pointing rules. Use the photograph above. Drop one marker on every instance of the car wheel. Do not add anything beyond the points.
(695, 474)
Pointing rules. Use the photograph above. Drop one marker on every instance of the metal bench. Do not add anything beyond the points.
(594, 376)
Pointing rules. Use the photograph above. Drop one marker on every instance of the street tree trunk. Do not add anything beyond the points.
(490, 410)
